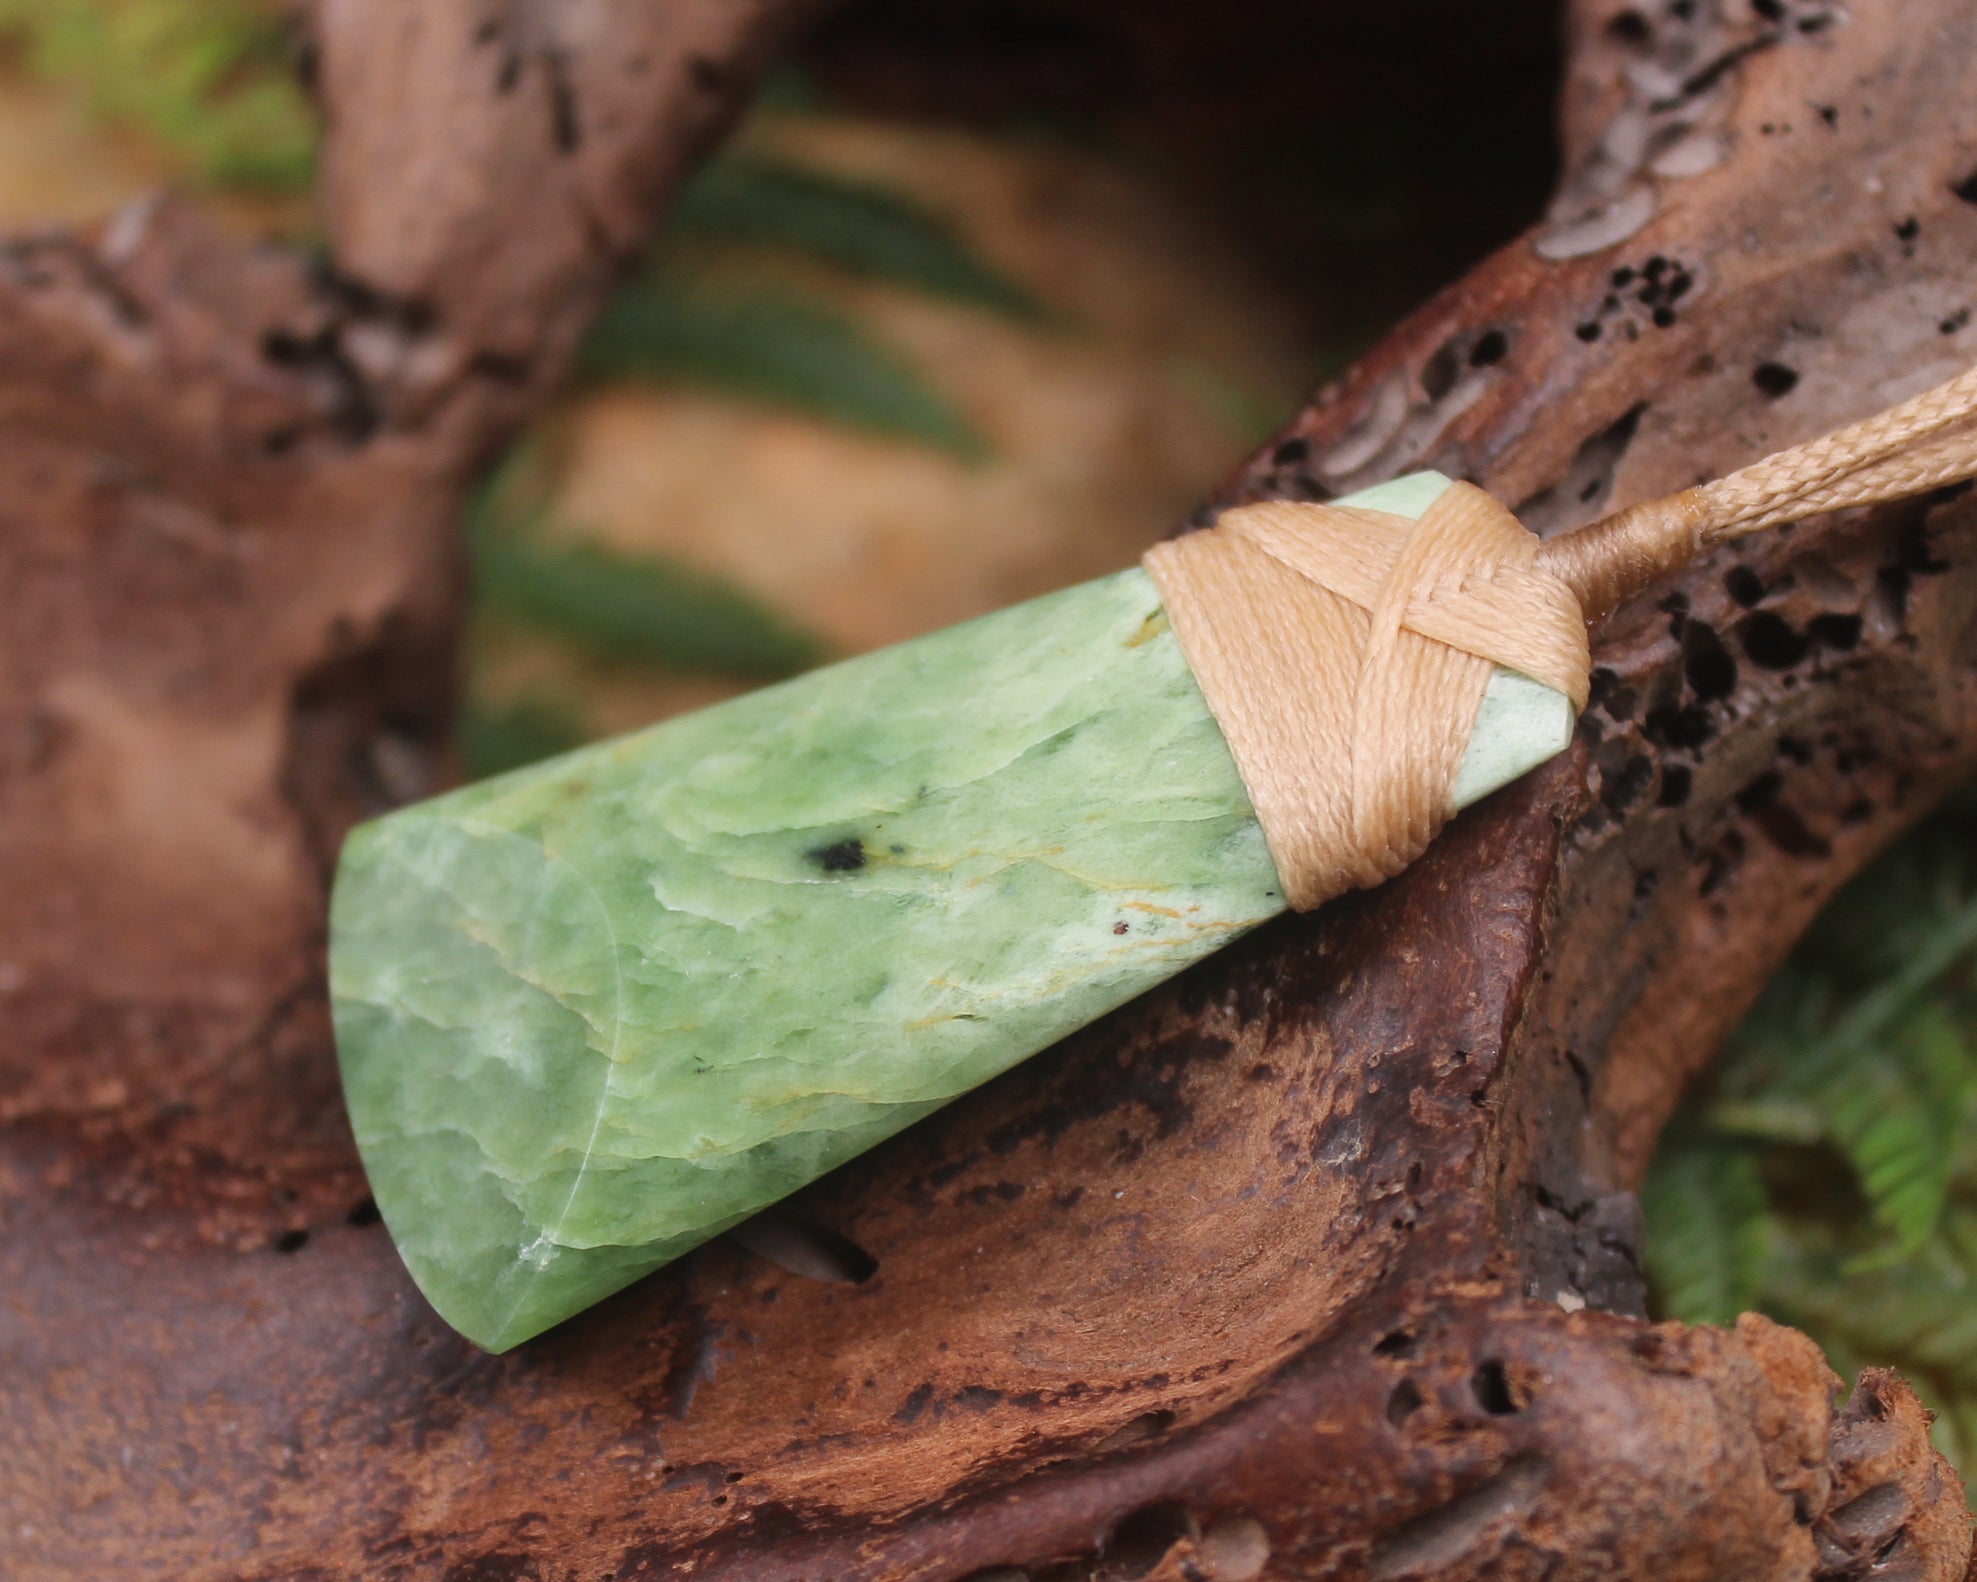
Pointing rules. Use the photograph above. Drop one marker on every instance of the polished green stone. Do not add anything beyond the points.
(594, 1012)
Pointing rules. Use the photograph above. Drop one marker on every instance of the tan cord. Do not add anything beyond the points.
(1344, 652)
(1920, 444)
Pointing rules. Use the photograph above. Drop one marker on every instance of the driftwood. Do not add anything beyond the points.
(1321, 1262)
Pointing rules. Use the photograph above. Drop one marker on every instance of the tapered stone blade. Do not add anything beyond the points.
(596, 1011)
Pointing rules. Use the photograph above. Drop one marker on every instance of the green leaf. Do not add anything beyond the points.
(1920, 1315)
(772, 348)
(1706, 1214)
(1849, 1098)
(623, 607)
(854, 225)
(498, 736)
(1897, 1113)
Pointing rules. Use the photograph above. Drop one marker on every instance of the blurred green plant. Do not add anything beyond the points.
(857, 226)
(770, 347)
(210, 81)
(613, 607)
(1829, 1175)
(513, 732)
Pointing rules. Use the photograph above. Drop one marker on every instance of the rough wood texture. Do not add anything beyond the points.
(1319, 1263)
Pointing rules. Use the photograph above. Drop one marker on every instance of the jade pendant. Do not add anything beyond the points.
(596, 1011)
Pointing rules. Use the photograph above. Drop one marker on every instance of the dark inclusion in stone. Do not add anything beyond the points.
(841, 856)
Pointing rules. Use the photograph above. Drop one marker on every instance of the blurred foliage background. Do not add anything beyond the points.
(890, 369)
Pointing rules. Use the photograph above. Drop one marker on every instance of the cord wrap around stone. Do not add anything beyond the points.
(1344, 651)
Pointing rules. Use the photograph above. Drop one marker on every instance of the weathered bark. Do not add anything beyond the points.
(230, 567)
(1321, 1262)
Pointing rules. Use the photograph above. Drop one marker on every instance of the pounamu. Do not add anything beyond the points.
(596, 1011)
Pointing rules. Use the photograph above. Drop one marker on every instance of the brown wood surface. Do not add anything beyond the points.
(1320, 1262)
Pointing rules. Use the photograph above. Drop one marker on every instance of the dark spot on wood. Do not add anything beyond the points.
(1838, 632)
(1588, 331)
(1909, 229)
(1142, 1540)
(705, 74)
(1760, 792)
(1774, 379)
(1624, 775)
(1676, 780)
(1770, 642)
(1683, 728)
(1706, 663)
(1630, 27)
(1966, 189)
(1439, 374)
(1490, 1384)
(564, 126)
(1955, 321)
(1788, 831)
(1396, 1343)
(364, 1214)
(291, 1241)
(915, 1405)
(1700, 82)
(1403, 1401)
(1290, 452)
(1490, 349)
(841, 856)
(1744, 586)
(1720, 862)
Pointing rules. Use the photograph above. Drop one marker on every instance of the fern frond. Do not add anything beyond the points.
(1707, 1222)
(615, 606)
(854, 225)
(1920, 1315)
(772, 348)
(621, 607)
(1898, 1113)
(1881, 1066)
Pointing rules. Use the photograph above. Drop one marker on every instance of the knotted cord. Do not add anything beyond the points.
(1345, 651)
